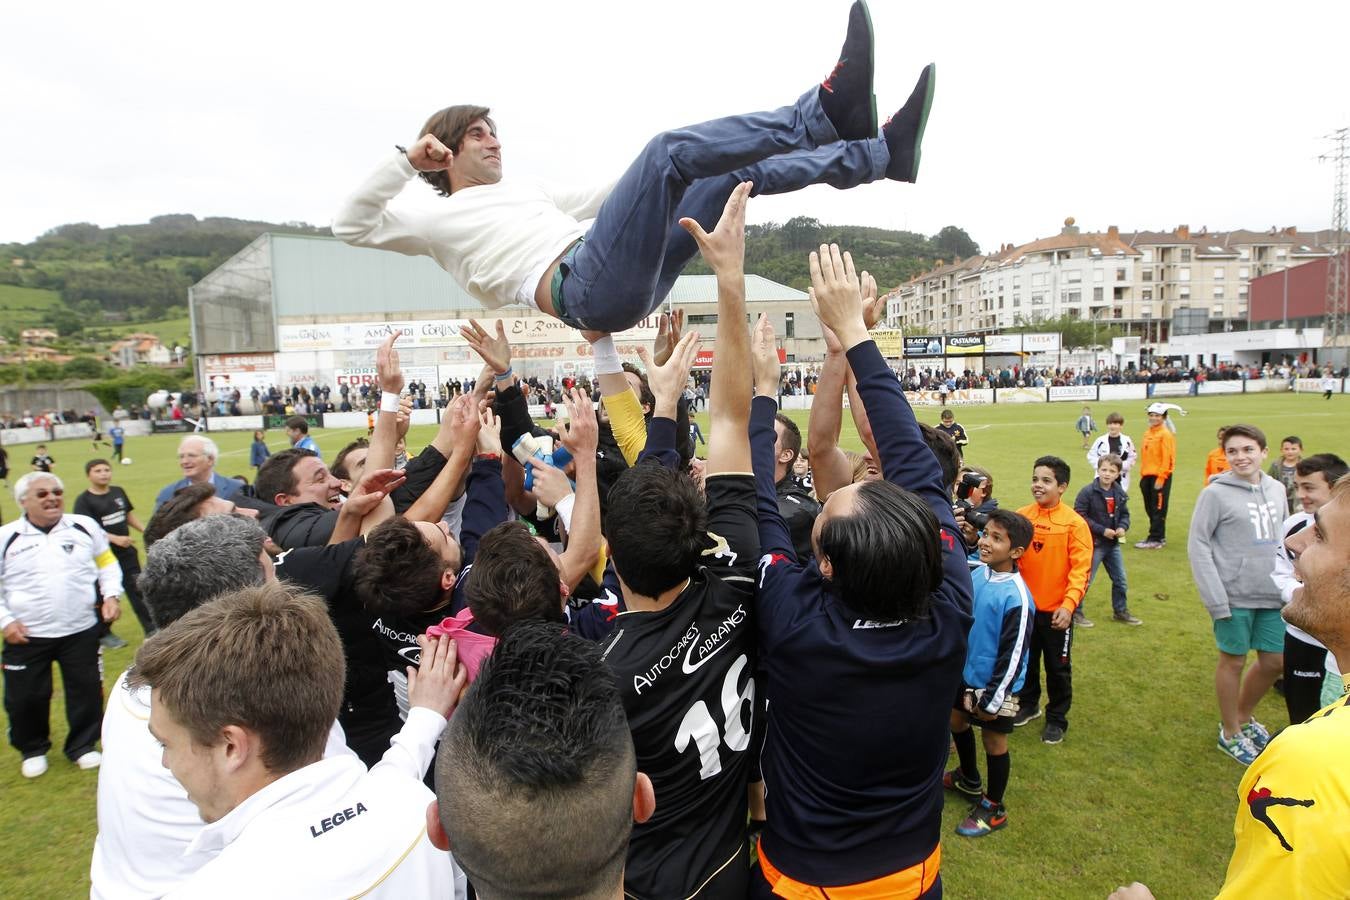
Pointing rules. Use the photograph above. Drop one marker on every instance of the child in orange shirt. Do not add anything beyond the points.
(1217, 461)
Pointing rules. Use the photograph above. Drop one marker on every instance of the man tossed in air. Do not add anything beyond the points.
(511, 242)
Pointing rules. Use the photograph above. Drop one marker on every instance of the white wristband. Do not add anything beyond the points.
(389, 402)
(606, 357)
(564, 510)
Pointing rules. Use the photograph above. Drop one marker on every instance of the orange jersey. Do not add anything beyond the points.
(1158, 456)
(1056, 565)
(1216, 462)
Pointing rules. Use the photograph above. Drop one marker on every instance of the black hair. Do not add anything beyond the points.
(513, 580)
(339, 469)
(1054, 464)
(178, 510)
(947, 453)
(89, 466)
(886, 554)
(277, 474)
(657, 527)
(1332, 467)
(397, 574)
(792, 435)
(1293, 439)
(539, 745)
(298, 423)
(1018, 527)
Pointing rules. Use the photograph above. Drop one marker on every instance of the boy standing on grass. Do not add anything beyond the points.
(953, 430)
(1157, 460)
(1086, 426)
(1284, 469)
(1234, 534)
(1103, 504)
(1117, 442)
(1217, 461)
(1056, 571)
(996, 665)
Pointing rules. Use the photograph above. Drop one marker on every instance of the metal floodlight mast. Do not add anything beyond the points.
(1338, 270)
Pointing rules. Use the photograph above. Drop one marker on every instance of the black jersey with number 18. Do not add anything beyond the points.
(686, 674)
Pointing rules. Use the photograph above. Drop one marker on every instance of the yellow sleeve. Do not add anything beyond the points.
(625, 418)
(598, 573)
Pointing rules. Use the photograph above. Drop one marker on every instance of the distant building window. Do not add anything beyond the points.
(1098, 294)
(1073, 276)
(1218, 292)
(1147, 274)
(789, 325)
(1218, 308)
(708, 319)
(1186, 254)
(1218, 274)
(1183, 274)
(1244, 273)
(1146, 294)
(1184, 293)
(1281, 253)
(1097, 275)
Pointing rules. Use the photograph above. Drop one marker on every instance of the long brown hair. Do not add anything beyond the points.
(449, 126)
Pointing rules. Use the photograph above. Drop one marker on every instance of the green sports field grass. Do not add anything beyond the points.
(1136, 791)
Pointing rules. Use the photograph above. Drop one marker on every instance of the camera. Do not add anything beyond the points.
(969, 482)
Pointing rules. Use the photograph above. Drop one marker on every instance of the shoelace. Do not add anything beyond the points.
(828, 83)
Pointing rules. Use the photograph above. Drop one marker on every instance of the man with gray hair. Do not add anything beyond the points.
(49, 563)
(197, 459)
(145, 819)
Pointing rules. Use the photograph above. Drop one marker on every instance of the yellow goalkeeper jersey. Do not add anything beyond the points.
(1293, 820)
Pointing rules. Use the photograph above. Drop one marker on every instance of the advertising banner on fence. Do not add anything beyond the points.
(315, 420)
(1266, 385)
(1122, 391)
(439, 332)
(922, 346)
(963, 397)
(1019, 395)
(1003, 343)
(1315, 386)
(965, 345)
(1170, 389)
(1074, 392)
(234, 363)
(234, 423)
(1220, 387)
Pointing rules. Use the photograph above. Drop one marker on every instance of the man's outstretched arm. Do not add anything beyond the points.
(729, 408)
(365, 219)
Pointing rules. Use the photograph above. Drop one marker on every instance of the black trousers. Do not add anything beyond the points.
(1156, 500)
(1055, 646)
(1305, 665)
(28, 691)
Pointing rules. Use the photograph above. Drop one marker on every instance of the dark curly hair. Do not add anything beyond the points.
(449, 126)
(397, 574)
(657, 527)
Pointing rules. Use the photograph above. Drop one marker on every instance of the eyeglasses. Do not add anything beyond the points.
(43, 493)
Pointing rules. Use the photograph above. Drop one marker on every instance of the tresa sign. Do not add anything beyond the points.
(315, 420)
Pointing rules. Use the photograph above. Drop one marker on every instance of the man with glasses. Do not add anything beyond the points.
(49, 562)
(197, 459)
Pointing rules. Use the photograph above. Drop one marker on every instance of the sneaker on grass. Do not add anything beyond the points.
(1240, 747)
(1082, 621)
(1025, 715)
(985, 818)
(1124, 618)
(1053, 734)
(1255, 732)
(956, 781)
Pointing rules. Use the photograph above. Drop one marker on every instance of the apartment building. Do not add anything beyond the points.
(1149, 283)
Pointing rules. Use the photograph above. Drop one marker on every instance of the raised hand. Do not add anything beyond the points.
(371, 489)
(494, 349)
(836, 296)
(550, 484)
(582, 436)
(874, 307)
(404, 417)
(439, 678)
(387, 367)
(724, 249)
(464, 423)
(667, 380)
(430, 155)
(764, 352)
(667, 336)
(489, 431)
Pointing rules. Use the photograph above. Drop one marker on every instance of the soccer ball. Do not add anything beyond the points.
(126, 460)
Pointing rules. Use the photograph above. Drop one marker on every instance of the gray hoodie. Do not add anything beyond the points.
(1234, 534)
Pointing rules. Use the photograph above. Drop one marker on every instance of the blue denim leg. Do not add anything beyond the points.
(1109, 555)
(612, 281)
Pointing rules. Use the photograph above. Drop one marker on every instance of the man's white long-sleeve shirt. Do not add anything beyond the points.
(332, 829)
(47, 578)
(496, 240)
(145, 819)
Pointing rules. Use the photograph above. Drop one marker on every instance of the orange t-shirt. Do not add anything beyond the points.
(1216, 462)
(1056, 565)
(1158, 456)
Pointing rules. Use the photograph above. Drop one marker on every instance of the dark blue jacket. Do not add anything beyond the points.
(858, 718)
(1102, 510)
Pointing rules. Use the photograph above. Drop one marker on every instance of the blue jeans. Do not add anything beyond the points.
(636, 248)
(1115, 568)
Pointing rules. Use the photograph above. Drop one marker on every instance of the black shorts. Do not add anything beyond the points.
(998, 724)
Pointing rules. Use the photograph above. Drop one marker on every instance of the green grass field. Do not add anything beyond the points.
(24, 307)
(1136, 791)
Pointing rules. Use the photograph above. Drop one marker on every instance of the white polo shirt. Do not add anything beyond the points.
(47, 578)
(145, 820)
(332, 829)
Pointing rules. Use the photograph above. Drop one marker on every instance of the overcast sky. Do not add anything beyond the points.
(1144, 115)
